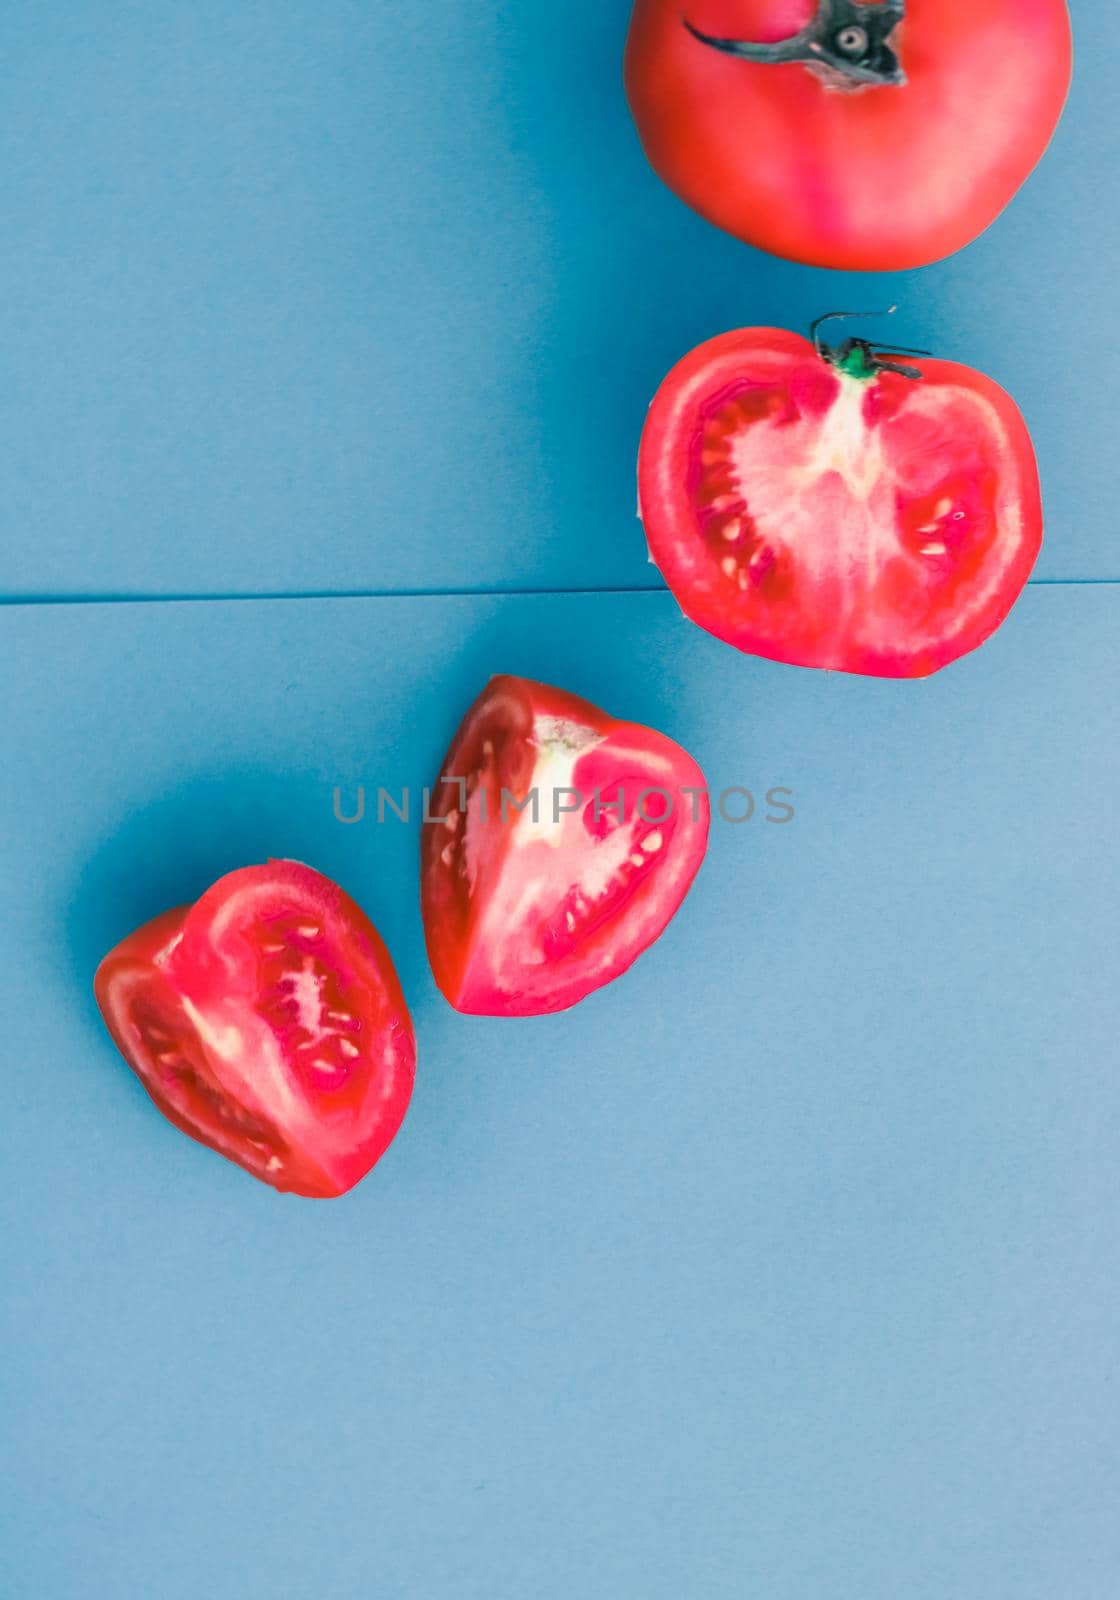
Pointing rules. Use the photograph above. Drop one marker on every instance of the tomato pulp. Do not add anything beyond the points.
(266, 1021)
(826, 509)
(530, 904)
(871, 137)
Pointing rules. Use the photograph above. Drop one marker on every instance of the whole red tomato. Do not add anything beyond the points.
(568, 842)
(874, 137)
(837, 507)
(267, 1022)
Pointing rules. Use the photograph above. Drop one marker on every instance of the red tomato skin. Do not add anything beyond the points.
(870, 179)
(479, 974)
(669, 437)
(171, 963)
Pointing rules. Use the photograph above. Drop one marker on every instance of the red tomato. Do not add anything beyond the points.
(267, 1022)
(884, 135)
(526, 913)
(820, 508)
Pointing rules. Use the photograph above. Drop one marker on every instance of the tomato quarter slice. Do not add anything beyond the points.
(267, 1022)
(830, 513)
(528, 910)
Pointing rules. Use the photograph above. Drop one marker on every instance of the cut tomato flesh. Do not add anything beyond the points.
(867, 523)
(635, 851)
(266, 1021)
(172, 1063)
(312, 1009)
(534, 898)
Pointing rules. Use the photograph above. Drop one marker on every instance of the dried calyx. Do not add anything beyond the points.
(844, 39)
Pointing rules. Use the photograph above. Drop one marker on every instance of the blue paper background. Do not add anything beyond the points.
(785, 1266)
(336, 295)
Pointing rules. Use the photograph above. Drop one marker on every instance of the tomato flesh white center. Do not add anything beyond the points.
(783, 498)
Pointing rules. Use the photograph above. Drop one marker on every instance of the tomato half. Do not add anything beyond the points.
(824, 508)
(527, 911)
(870, 137)
(267, 1022)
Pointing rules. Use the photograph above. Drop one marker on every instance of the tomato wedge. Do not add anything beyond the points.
(528, 910)
(267, 1022)
(865, 136)
(835, 507)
